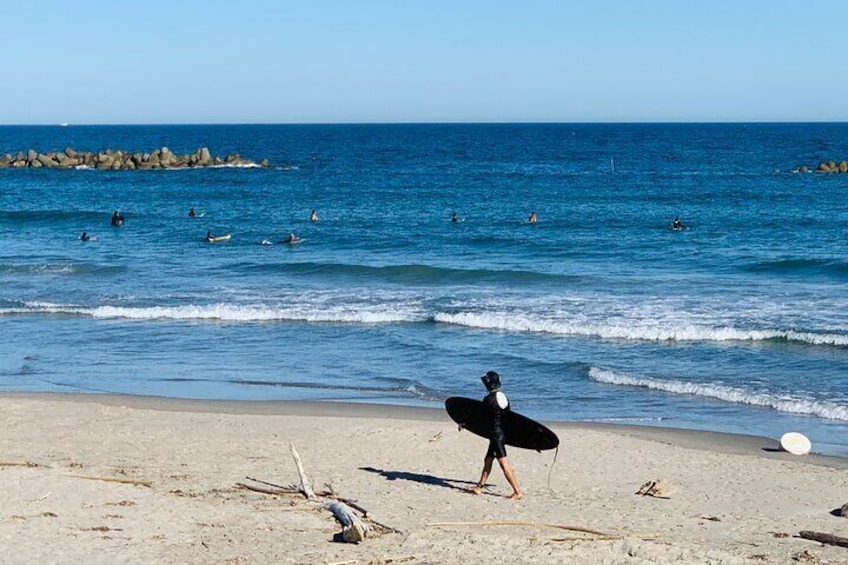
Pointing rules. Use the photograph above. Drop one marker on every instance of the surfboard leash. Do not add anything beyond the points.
(556, 453)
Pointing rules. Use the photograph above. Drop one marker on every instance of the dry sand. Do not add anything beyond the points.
(732, 499)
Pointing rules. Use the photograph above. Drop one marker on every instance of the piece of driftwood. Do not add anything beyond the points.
(352, 504)
(267, 490)
(306, 488)
(329, 492)
(578, 538)
(148, 484)
(354, 530)
(287, 488)
(829, 539)
(523, 523)
(656, 489)
(29, 464)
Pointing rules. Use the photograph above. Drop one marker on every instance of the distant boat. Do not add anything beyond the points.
(63, 124)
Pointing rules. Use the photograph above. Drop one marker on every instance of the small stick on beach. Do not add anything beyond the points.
(148, 484)
(578, 538)
(306, 488)
(654, 489)
(829, 539)
(19, 464)
(523, 523)
(268, 490)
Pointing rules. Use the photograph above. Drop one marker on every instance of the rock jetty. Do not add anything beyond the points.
(824, 167)
(111, 160)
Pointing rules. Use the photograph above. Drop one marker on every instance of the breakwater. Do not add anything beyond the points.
(109, 159)
(824, 167)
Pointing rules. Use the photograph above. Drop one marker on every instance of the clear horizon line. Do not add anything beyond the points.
(391, 123)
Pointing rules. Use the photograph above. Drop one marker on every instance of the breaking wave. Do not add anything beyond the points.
(518, 323)
(225, 312)
(829, 410)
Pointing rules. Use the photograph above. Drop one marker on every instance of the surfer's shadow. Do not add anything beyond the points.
(421, 478)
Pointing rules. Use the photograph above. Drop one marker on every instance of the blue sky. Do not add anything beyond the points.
(423, 61)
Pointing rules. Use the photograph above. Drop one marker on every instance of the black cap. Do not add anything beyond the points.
(491, 380)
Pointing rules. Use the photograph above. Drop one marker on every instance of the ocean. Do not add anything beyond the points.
(597, 312)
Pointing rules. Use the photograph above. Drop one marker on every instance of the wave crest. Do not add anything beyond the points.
(223, 312)
(818, 408)
(518, 323)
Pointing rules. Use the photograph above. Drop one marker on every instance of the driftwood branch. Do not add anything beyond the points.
(354, 530)
(579, 538)
(29, 464)
(523, 523)
(281, 487)
(352, 504)
(268, 490)
(148, 484)
(306, 488)
(655, 489)
(829, 539)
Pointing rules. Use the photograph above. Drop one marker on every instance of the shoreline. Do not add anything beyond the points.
(718, 442)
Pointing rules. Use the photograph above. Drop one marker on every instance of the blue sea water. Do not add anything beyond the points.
(598, 312)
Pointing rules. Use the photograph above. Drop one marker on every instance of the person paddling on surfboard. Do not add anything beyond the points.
(495, 404)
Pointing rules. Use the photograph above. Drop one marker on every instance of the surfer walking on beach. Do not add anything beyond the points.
(495, 403)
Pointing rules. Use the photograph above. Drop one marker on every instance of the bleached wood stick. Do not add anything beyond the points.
(304, 480)
(522, 523)
(353, 529)
(18, 464)
(288, 488)
(275, 485)
(825, 538)
(267, 490)
(134, 482)
(352, 504)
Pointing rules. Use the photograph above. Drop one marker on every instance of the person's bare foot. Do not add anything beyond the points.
(516, 496)
(476, 489)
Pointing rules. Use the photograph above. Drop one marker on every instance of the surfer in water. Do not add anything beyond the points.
(85, 236)
(677, 225)
(532, 218)
(117, 219)
(495, 403)
(313, 216)
(192, 213)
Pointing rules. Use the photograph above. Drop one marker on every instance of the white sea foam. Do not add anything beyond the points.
(787, 404)
(519, 323)
(227, 313)
(41, 269)
(236, 166)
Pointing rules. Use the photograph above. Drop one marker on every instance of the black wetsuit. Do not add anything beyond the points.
(497, 447)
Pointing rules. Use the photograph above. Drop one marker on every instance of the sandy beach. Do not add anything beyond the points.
(111, 479)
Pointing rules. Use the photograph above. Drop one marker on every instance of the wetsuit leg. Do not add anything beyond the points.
(497, 448)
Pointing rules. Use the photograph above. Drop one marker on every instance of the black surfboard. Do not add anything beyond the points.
(519, 431)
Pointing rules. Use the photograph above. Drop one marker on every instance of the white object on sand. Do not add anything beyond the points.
(795, 443)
